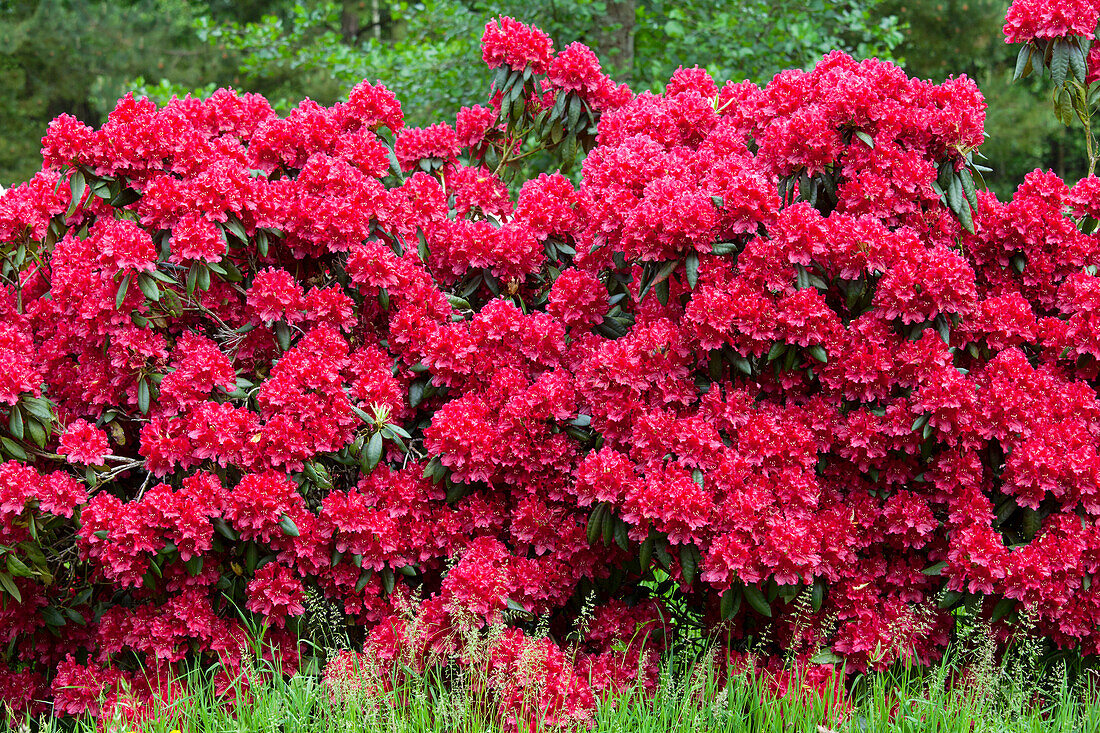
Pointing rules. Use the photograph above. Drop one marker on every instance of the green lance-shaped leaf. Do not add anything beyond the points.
(8, 584)
(287, 525)
(387, 580)
(689, 562)
(621, 538)
(372, 454)
(1023, 62)
(645, 553)
(818, 594)
(757, 600)
(77, 186)
(1077, 65)
(15, 422)
(1004, 607)
(225, 530)
(143, 395)
(1059, 62)
(866, 138)
(692, 265)
(608, 527)
(730, 603)
(595, 523)
(149, 287)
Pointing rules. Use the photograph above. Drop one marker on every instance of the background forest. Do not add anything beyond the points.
(79, 56)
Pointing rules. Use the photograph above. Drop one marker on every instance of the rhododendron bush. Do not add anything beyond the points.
(773, 370)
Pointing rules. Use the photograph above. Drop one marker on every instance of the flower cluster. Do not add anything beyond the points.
(1028, 20)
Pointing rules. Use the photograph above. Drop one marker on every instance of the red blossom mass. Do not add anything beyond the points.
(749, 349)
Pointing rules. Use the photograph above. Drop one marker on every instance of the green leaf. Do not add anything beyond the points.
(37, 431)
(193, 566)
(818, 352)
(645, 553)
(203, 278)
(954, 193)
(801, 278)
(18, 568)
(943, 328)
(373, 452)
(818, 594)
(458, 303)
(387, 580)
(662, 275)
(1023, 62)
(1004, 607)
(866, 138)
(13, 449)
(1059, 62)
(225, 530)
(397, 429)
(757, 600)
(15, 422)
(595, 523)
(692, 264)
(935, 569)
(262, 241)
(9, 585)
(967, 181)
(416, 393)
(39, 408)
(723, 248)
(143, 396)
(282, 335)
(621, 538)
(77, 186)
(966, 217)
(192, 279)
(236, 229)
(730, 603)
(287, 525)
(574, 113)
(124, 198)
(1077, 65)
(661, 291)
(688, 563)
(120, 295)
(52, 617)
(364, 578)
(777, 350)
(149, 287)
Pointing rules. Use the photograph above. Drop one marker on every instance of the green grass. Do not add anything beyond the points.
(950, 697)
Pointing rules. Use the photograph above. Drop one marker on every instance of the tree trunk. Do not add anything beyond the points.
(349, 21)
(615, 40)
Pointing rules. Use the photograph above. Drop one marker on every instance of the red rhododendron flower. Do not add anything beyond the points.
(516, 45)
(83, 443)
(1030, 19)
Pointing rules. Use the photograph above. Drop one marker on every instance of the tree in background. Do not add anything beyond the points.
(428, 52)
(944, 37)
(79, 56)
